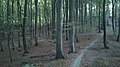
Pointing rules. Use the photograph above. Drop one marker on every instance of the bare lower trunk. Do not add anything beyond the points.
(59, 29)
(1, 42)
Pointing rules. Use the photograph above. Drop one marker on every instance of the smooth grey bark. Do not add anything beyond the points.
(59, 44)
(116, 14)
(1, 46)
(104, 25)
(76, 19)
(82, 15)
(67, 7)
(36, 13)
(113, 23)
(90, 12)
(8, 29)
(1, 25)
(72, 27)
(19, 20)
(79, 16)
(99, 22)
(40, 27)
(23, 29)
(31, 22)
(12, 35)
(85, 13)
(118, 37)
(45, 18)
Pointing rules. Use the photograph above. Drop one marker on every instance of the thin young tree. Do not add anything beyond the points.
(99, 22)
(19, 20)
(1, 25)
(11, 32)
(53, 19)
(113, 26)
(36, 13)
(118, 37)
(76, 20)
(66, 6)
(8, 28)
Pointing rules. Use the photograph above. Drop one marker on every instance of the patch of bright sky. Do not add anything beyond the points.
(110, 7)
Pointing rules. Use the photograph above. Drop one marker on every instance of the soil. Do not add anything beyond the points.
(98, 56)
(43, 55)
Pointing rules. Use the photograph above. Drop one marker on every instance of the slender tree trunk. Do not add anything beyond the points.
(76, 30)
(59, 47)
(23, 29)
(82, 16)
(85, 17)
(104, 25)
(1, 16)
(113, 26)
(99, 23)
(36, 13)
(12, 35)
(31, 25)
(91, 13)
(79, 17)
(1, 42)
(45, 17)
(66, 3)
(19, 18)
(8, 33)
(118, 37)
(40, 27)
(116, 14)
(72, 27)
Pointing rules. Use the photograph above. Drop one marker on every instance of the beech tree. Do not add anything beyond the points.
(72, 27)
(118, 37)
(104, 25)
(59, 23)
(36, 14)
(23, 29)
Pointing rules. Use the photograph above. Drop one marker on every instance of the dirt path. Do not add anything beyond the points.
(77, 61)
(97, 56)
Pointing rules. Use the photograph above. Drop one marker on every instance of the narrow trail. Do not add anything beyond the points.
(77, 61)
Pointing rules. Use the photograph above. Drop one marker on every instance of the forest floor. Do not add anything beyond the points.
(77, 61)
(43, 55)
(97, 56)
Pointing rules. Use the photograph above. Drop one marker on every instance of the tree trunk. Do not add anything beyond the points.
(66, 3)
(90, 12)
(99, 23)
(72, 27)
(12, 35)
(19, 18)
(1, 42)
(76, 19)
(113, 26)
(1, 25)
(8, 28)
(116, 14)
(23, 29)
(85, 16)
(40, 21)
(36, 13)
(104, 25)
(118, 37)
(59, 47)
